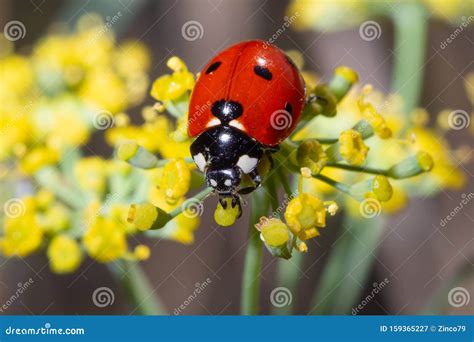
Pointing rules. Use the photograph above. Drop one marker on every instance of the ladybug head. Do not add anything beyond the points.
(223, 180)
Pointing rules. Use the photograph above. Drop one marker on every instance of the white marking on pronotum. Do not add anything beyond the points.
(228, 182)
(200, 161)
(246, 163)
(237, 124)
(213, 122)
(213, 182)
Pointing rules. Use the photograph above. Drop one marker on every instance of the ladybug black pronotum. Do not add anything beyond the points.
(246, 101)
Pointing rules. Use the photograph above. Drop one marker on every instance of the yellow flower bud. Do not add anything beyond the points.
(141, 252)
(425, 161)
(352, 147)
(274, 231)
(105, 240)
(305, 212)
(56, 218)
(310, 154)
(347, 73)
(176, 64)
(91, 173)
(22, 235)
(375, 120)
(127, 150)
(171, 87)
(382, 188)
(226, 217)
(64, 254)
(175, 180)
(142, 216)
(38, 158)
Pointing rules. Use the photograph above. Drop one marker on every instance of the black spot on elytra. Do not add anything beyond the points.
(213, 67)
(263, 72)
(289, 108)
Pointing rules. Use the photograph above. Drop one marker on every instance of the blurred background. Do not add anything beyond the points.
(416, 253)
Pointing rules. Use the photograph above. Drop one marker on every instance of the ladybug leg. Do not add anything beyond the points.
(268, 153)
(256, 179)
(237, 201)
(223, 202)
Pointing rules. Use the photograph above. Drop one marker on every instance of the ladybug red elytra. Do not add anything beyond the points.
(246, 101)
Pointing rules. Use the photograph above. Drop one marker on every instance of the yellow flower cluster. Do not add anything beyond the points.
(340, 14)
(398, 139)
(54, 98)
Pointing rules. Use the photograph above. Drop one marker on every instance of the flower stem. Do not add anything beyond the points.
(348, 267)
(199, 196)
(288, 272)
(253, 257)
(163, 217)
(339, 186)
(410, 26)
(50, 178)
(327, 141)
(347, 167)
(139, 291)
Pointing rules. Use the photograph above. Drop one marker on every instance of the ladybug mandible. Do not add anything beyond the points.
(246, 100)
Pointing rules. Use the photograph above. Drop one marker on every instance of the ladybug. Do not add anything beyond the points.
(246, 101)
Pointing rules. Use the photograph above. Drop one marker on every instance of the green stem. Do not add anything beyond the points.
(139, 290)
(199, 197)
(50, 178)
(283, 178)
(370, 170)
(163, 217)
(327, 141)
(163, 162)
(288, 272)
(350, 262)
(410, 24)
(253, 257)
(339, 186)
